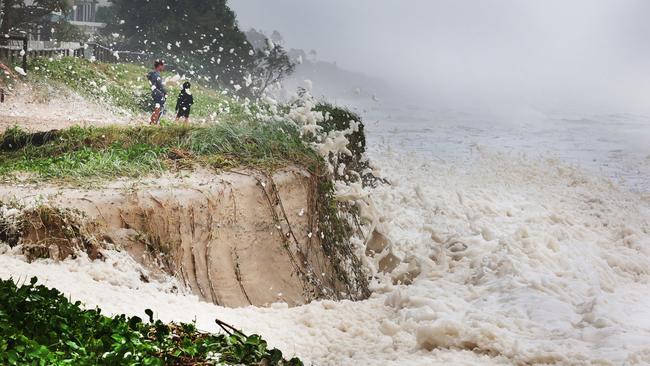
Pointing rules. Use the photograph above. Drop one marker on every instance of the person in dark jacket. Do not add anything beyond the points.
(158, 91)
(184, 102)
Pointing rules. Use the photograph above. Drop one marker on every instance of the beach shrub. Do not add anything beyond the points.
(40, 326)
(341, 120)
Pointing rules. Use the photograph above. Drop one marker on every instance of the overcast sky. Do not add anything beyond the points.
(551, 53)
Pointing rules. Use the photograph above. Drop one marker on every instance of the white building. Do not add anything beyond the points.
(83, 15)
(83, 10)
(86, 10)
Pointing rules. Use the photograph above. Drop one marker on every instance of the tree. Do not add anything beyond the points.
(199, 37)
(16, 14)
(313, 54)
(105, 14)
(277, 38)
(257, 39)
(63, 31)
(272, 66)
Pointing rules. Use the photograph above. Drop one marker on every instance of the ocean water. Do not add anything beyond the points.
(532, 234)
(531, 238)
(616, 146)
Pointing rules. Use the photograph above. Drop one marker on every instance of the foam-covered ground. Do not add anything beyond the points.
(43, 108)
(523, 262)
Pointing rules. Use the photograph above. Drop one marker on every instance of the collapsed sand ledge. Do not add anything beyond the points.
(234, 239)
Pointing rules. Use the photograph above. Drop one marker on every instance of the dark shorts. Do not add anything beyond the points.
(157, 102)
(183, 112)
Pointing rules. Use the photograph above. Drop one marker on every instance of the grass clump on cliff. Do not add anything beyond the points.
(40, 326)
(87, 153)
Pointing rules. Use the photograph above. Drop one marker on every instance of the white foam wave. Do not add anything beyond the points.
(521, 263)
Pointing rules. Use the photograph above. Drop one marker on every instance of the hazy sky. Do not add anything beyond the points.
(546, 53)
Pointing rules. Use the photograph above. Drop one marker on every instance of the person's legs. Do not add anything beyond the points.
(184, 114)
(180, 114)
(158, 111)
(187, 115)
(155, 116)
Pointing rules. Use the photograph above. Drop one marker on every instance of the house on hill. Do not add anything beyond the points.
(84, 14)
(86, 10)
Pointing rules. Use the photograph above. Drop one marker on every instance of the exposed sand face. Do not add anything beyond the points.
(234, 239)
(43, 108)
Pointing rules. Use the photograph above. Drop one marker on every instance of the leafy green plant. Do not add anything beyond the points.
(39, 326)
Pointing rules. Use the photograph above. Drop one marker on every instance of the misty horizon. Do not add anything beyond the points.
(586, 55)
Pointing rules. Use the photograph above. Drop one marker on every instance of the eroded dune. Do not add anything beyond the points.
(235, 239)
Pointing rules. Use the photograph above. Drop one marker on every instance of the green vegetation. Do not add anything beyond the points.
(39, 326)
(202, 37)
(193, 36)
(338, 221)
(83, 154)
(15, 15)
(125, 86)
(341, 119)
(121, 85)
(357, 166)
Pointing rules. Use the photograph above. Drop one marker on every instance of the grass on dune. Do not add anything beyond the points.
(239, 138)
(126, 86)
(88, 153)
